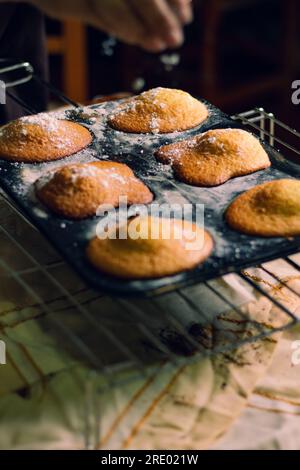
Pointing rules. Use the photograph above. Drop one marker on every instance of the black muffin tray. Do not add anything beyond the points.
(232, 251)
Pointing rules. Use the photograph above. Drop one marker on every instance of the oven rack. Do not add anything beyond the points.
(173, 337)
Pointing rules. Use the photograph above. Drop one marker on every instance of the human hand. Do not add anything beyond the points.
(154, 25)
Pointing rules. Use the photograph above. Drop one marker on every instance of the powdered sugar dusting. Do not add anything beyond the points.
(76, 173)
(154, 124)
(43, 180)
(44, 120)
(47, 122)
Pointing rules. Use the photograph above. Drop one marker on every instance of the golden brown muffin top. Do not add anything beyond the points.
(76, 191)
(163, 247)
(214, 157)
(271, 209)
(42, 137)
(158, 111)
(278, 197)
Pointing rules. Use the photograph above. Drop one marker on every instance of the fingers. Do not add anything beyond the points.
(154, 25)
(163, 26)
(183, 9)
(115, 18)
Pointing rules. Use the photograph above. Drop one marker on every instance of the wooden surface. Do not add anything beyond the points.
(71, 44)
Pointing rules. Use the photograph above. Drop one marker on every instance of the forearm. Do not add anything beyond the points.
(61, 9)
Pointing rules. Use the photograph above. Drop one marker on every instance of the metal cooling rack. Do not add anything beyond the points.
(175, 328)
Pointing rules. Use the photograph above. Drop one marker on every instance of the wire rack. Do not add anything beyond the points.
(113, 335)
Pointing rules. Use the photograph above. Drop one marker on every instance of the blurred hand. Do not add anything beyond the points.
(183, 9)
(154, 25)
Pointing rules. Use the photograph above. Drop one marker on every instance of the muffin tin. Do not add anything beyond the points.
(232, 251)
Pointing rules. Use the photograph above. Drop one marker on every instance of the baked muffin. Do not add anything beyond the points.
(42, 138)
(164, 247)
(212, 158)
(159, 111)
(76, 191)
(269, 210)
